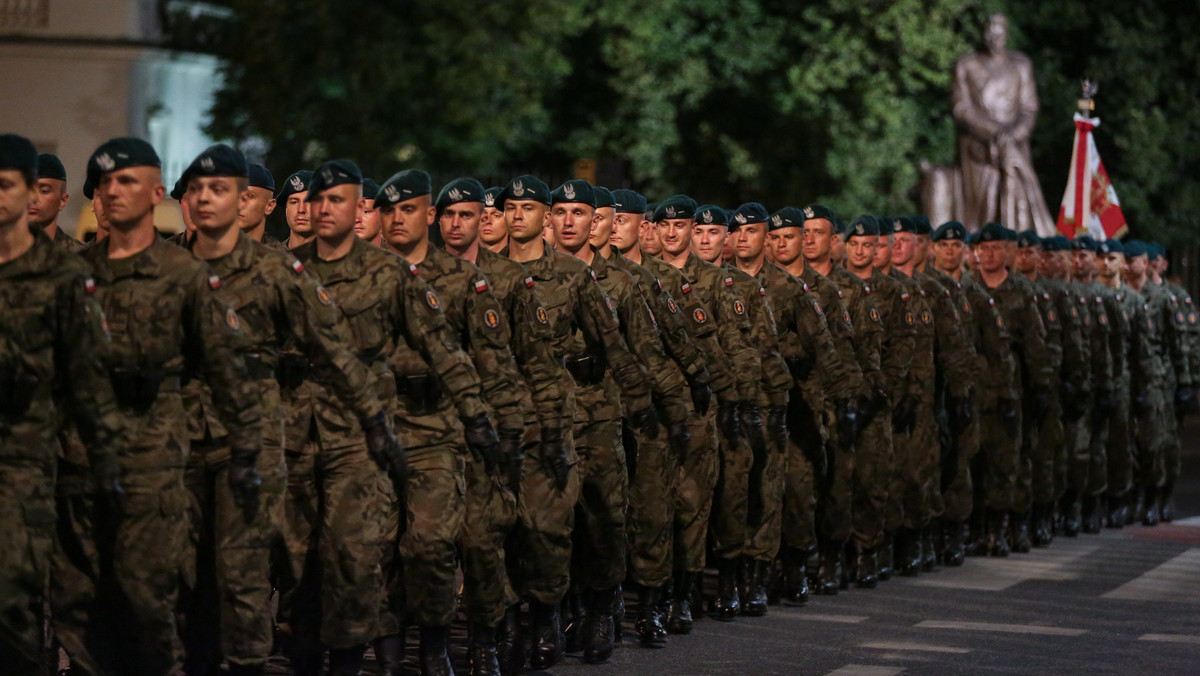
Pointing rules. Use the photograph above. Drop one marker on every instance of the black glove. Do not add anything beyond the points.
(752, 425)
(801, 367)
(962, 410)
(777, 428)
(384, 448)
(482, 440)
(244, 482)
(554, 456)
(646, 421)
(513, 457)
(904, 416)
(701, 396)
(873, 406)
(678, 437)
(1185, 399)
(1007, 408)
(847, 420)
(728, 422)
(109, 491)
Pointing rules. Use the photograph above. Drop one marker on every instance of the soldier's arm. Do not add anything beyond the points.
(1076, 345)
(1175, 334)
(776, 377)
(1038, 360)
(603, 335)
(534, 354)
(642, 336)
(79, 353)
(489, 333)
(675, 337)
(841, 327)
(897, 345)
(704, 335)
(733, 333)
(1102, 360)
(955, 354)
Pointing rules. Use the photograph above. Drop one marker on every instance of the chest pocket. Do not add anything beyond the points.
(149, 322)
(253, 316)
(28, 332)
(364, 314)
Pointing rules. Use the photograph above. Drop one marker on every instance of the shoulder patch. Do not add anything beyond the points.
(592, 273)
(700, 316)
(658, 283)
(905, 297)
(323, 296)
(687, 288)
(817, 307)
(762, 291)
(1179, 318)
(491, 319)
(541, 315)
(922, 292)
(926, 318)
(738, 307)
(874, 315)
(413, 269)
(231, 319)
(966, 306)
(529, 282)
(1051, 316)
(840, 295)
(804, 285)
(432, 300)
(89, 285)
(1192, 318)
(672, 306)
(999, 322)
(729, 281)
(846, 318)
(867, 289)
(214, 282)
(611, 303)
(1103, 319)
(481, 285)
(297, 266)
(1045, 296)
(910, 318)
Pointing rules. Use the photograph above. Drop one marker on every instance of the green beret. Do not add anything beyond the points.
(370, 190)
(992, 232)
(49, 166)
(949, 231)
(675, 206)
(89, 190)
(815, 212)
(1109, 246)
(787, 217)
(863, 225)
(261, 177)
(1135, 248)
(465, 189)
(604, 197)
(711, 214)
(403, 186)
(1056, 243)
(524, 188)
(650, 207)
(121, 153)
(1155, 250)
(627, 201)
(331, 174)
(904, 224)
(18, 153)
(750, 212)
(973, 238)
(297, 182)
(574, 191)
(491, 197)
(1084, 243)
(924, 227)
(217, 160)
(839, 226)
(176, 192)
(1028, 238)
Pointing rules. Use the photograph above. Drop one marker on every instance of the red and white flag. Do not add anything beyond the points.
(1089, 204)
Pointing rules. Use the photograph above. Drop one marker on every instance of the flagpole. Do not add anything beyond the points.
(1083, 210)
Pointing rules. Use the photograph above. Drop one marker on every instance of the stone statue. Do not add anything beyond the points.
(995, 105)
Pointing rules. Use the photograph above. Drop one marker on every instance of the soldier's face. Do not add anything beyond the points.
(335, 210)
(627, 229)
(650, 238)
(709, 241)
(460, 224)
(948, 254)
(259, 204)
(213, 202)
(751, 240)
(788, 242)
(101, 217)
(130, 194)
(1027, 259)
(602, 226)
(883, 252)
(296, 211)
(772, 244)
(407, 222)
(818, 235)
(922, 252)
(860, 252)
(50, 197)
(837, 249)
(1112, 264)
(525, 219)
(676, 235)
(992, 256)
(572, 223)
(15, 197)
(904, 249)
(1136, 267)
(1047, 264)
(367, 226)
(492, 228)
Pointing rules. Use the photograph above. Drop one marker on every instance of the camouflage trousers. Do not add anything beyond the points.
(491, 516)
(764, 511)
(74, 573)
(731, 498)
(1150, 442)
(917, 471)
(799, 486)
(27, 512)
(1096, 472)
(539, 553)
(1119, 457)
(835, 491)
(999, 456)
(599, 547)
(296, 557)
(651, 518)
(693, 495)
(1076, 454)
(1043, 439)
(872, 470)
(227, 608)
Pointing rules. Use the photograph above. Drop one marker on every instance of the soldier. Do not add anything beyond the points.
(260, 203)
(265, 286)
(586, 337)
(53, 336)
(493, 231)
(367, 227)
(479, 328)
(51, 199)
(294, 198)
(166, 322)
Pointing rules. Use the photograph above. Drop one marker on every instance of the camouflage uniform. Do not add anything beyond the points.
(1076, 384)
(167, 322)
(52, 344)
(1131, 356)
(1182, 360)
(916, 448)
(896, 353)
(1090, 472)
(1155, 466)
(278, 304)
(67, 242)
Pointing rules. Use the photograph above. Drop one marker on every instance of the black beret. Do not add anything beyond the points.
(863, 225)
(711, 214)
(403, 186)
(297, 182)
(904, 224)
(491, 197)
(261, 177)
(1155, 250)
(787, 217)
(924, 227)
(814, 212)
(217, 160)
(1056, 243)
(675, 206)
(1135, 248)
(627, 201)
(49, 166)
(1085, 243)
(949, 231)
(121, 153)
(89, 190)
(839, 226)
(750, 212)
(331, 174)
(1028, 238)
(650, 207)
(1010, 235)
(574, 191)
(370, 190)
(992, 232)
(524, 188)
(17, 152)
(973, 238)
(465, 189)
(604, 197)
(177, 191)
(1110, 246)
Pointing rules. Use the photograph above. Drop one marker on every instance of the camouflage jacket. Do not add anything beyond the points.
(715, 287)
(764, 337)
(953, 353)
(893, 303)
(922, 369)
(841, 326)
(1018, 309)
(859, 299)
(993, 367)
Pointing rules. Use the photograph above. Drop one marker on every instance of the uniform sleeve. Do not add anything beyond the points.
(696, 317)
(733, 333)
(1102, 328)
(868, 340)
(489, 333)
(841, 326)
(1076, 343)
(776, 377)
(1032, 337)
(995, 346)
(534, 354)
(82, 344)
(897, 344)
(676, 340)
(642, 335)
(603, 335)
(1175, 334)
(954, 354)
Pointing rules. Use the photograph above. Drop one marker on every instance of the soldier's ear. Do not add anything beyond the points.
(270, 207)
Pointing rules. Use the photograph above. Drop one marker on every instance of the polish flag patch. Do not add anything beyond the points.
(480, 285)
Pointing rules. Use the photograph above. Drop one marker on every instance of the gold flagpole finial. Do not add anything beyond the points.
(1088, 103)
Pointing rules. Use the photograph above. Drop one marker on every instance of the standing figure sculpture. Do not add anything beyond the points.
(995, 105)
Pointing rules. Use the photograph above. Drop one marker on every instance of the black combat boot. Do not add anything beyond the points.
(548, 640)
(572, 613)
(650, 629)
(867, 576)
(1021, 542)
(829, 572)
(908, 547)
(928, 548)
(1166, 511)
(509, 646)
(435, 651)
(389, 653)
(1091, 514)
(728, 604)
(887, 557)
(997, 532)
(754, 596)
(977, 538)
(679, 618)
(1041, 533)
(1072, 512)
(1117, 506)
(953, 550)
(482, 659)
(1151, 512)
(346, 661)
(795, 576)
(618, 612)
(1137, 501)
(597, 631)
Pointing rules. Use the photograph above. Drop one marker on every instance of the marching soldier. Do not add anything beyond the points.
(294, 198)
(51, 198)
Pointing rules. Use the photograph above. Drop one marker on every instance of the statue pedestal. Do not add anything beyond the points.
(942, 194)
